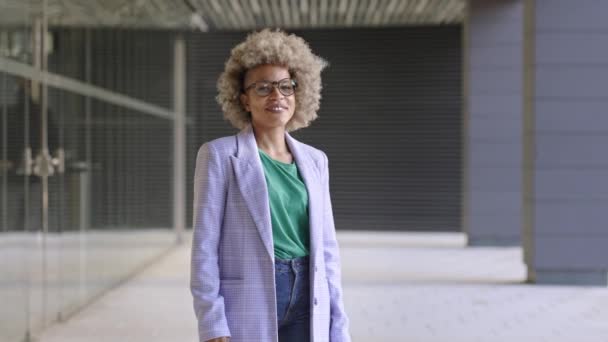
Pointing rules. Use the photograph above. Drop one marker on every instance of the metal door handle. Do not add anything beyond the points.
(46, 165)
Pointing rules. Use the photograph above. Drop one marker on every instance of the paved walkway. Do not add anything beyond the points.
(398, 287)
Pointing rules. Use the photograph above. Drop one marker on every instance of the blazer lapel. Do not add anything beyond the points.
(252, 184)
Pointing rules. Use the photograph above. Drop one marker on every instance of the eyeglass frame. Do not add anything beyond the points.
(274, 84)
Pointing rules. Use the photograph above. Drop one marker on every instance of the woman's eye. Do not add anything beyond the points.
(263, 87)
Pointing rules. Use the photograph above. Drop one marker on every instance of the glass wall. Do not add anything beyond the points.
(85, 164)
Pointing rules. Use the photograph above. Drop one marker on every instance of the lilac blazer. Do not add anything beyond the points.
(232, 275)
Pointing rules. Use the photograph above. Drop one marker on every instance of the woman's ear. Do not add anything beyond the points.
(245, 102)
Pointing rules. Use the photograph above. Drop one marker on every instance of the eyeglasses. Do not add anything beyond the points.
(286, 86)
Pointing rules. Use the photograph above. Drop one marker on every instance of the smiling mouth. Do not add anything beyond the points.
(276, 109)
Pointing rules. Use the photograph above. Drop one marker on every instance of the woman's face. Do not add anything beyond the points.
(272, 110)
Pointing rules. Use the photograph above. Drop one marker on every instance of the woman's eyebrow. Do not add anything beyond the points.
(265, 80)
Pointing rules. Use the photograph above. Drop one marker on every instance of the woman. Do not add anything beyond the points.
(265, 261)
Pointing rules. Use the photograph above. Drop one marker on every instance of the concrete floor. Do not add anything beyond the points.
(398, 287)
(41, 275)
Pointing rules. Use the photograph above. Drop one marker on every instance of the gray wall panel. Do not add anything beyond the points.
(576, 183)
(571, 150)
(494, 52)
(494, 104)
(496, 81)
(495, 128)
(570, 217)
(569, 188)
(572, 252)
(550, 47)
(499, 237)
(556, 116)
(500, 56)
(571, 15)
(488, 33)
(568, 81)
(497, 203)
(490, 153)
(497, 179)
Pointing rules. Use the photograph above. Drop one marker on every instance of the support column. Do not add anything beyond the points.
(493, 88)
(566, 164)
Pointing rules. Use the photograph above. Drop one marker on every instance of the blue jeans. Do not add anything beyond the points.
(293, 299)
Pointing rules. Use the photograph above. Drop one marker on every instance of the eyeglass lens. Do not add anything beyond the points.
(264, 88)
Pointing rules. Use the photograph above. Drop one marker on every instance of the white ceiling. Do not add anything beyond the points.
(234, 14)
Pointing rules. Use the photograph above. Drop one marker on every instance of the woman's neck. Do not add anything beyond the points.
(271, 141)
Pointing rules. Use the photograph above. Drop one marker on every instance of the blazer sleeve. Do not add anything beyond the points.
(208, 211)
(339, 328)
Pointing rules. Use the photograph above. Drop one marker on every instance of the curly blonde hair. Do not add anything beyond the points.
(278, 48)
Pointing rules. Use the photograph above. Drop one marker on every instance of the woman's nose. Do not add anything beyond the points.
(275, 93)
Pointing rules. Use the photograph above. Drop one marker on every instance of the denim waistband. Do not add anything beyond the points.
(295, 263)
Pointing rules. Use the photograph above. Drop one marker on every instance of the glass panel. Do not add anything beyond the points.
(130, 192)
(110, 211)
(109, 196)
(13, 196)
(19, 196)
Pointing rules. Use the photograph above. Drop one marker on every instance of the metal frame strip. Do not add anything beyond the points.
(78, 87)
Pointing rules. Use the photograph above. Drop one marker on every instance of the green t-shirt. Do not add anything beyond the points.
(288, 208)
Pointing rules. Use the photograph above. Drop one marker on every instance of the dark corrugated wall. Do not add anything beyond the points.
(390, 121)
